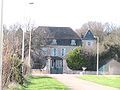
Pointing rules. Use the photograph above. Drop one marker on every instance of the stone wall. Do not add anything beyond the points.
(58, 50)
(67, 70)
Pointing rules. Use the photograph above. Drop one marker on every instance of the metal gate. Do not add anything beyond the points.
(56, 66)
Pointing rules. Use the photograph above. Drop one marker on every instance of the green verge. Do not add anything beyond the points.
(44, 83)
(108, 80)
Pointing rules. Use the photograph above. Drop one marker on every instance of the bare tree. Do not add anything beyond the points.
(96, 27)
(12, 45)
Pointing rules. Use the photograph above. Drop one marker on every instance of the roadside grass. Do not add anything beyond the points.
(44, 83)
(108, 80)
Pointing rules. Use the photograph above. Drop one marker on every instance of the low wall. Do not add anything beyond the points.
(67, 70)
(38, 71)
(80, 72)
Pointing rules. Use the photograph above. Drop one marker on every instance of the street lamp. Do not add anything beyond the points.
(29, 50)
(97, 38)
(23, 38)
(29, 59)
(1, 43)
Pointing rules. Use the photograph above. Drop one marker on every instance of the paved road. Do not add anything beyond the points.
(74, 83)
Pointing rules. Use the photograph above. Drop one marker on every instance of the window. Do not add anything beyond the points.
(44, 50)
(89, 43)
(73, 42)
(54, 42)
(53, 52)
(63, 51)
(53, 63)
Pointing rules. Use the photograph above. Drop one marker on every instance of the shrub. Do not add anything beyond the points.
(75, 59)
(79, 58)
(16, 70)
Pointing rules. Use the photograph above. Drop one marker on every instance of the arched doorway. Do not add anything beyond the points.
(56, 65)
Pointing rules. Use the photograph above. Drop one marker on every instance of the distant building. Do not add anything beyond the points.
(89, 40)
(110, 67)
(61, 40)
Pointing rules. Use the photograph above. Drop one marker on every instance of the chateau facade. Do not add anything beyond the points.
(61, 40)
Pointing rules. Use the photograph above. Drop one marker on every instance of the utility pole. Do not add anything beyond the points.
(1, 42)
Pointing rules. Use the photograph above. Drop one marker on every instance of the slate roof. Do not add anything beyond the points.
(59, 32)
(66, 42)
(62, 35)
(89, 36)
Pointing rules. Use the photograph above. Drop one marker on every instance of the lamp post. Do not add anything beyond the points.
(23, 49)
(97, 55)
(29, 59)
(29, 55)
(23, 36)
(1, 43)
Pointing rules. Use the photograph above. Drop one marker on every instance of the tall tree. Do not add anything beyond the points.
(96, 27)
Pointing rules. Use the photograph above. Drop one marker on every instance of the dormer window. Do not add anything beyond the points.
(73, 42)
(54, 42)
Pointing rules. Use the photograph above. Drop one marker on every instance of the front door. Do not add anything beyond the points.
(56, 66)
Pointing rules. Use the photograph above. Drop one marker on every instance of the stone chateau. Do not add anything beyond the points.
(61, 40)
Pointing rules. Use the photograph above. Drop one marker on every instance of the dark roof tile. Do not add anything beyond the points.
(89, 36)
(59, 32)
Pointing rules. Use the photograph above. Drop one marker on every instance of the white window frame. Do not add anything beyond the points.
(53, 51)
(54, 42)
(73, 42)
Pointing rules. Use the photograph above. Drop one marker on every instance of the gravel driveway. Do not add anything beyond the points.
(74, 83)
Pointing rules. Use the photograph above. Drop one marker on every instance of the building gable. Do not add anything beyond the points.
(89, 36)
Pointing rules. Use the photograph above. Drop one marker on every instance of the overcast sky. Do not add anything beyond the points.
(70, 13)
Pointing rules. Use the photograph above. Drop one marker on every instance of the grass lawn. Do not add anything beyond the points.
(44, 83)
(108, 80)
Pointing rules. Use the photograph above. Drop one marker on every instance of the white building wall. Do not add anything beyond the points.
(58, 50)
(85, 43)
(59, 54)
(67, 50)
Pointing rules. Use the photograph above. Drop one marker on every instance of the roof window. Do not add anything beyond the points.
(54, 42)
(73, 42)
